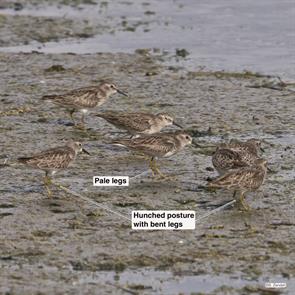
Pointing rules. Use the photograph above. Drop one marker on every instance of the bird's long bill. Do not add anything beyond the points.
(85, 152)
(178, 125)
(263, 150)
(121, 92)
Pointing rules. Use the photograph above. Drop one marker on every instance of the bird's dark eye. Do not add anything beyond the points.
(187, 137)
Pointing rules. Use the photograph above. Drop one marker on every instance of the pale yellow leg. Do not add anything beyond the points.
(242, 201)
(157, 172)
(151, 164)
(72, 116)
(81, 125)
(47, 182)
(61, 187)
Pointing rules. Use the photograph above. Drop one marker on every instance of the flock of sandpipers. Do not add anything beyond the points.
(238, 163)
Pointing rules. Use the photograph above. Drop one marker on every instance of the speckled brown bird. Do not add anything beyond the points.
(242, 180)
(139, 123)
(235, 154)
(53, 160)
(83, 99)
(157, 145)
(225, 159)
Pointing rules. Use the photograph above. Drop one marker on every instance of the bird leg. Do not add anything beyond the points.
(157, 172)
(82, 123)
(152, 166)
(47, 182)
(61, 187)
(242, 201)
(83, 119)
(71, 112)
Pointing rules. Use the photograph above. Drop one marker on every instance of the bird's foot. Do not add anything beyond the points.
(163, 177)
(243, 206)
(166, 178)
(80, 126)
(49, 192)
(64, 188)
(47, 183)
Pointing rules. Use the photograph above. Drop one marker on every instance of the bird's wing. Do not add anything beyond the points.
(234, 178)
(83, 97)
(227, 159)
(152, 145)
(253, 178)
(249, 178)
(238, 146)
(55, 158)
(136, 121)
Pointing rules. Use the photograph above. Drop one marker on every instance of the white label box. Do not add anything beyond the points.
(111, 180)
(163, 220)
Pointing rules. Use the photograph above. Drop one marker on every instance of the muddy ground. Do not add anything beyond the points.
(67, 246)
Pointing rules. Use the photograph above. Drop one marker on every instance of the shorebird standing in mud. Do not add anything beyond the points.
(160, 145)
(242, 180)
(83, 99)
(53, 160)
(139, 123)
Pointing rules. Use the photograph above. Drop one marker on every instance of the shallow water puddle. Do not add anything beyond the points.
(239, 37)
(168, 283)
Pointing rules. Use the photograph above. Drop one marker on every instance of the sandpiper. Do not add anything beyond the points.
(225, 159)
(83, 99)
(53, 160)
(236, 154)
(157, 145)
(139, 123)
(242, 180)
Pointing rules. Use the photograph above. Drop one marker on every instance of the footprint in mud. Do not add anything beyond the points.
(127, 204)
(62, 210)
(4, 214)
(6, 205)
(58, 208)
(42, 234)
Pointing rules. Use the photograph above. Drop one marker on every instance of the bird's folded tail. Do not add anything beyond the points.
(23, 160)
(103, 115)
(120, 142)
(212, 184)
(216, 182)
(48, 97)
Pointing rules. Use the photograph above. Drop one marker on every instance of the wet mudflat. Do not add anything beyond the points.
(58, 240)
(67, 246)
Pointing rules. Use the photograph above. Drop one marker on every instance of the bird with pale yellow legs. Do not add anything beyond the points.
(242, 180)
(160, 145)
(84, 99)
(53, 160)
